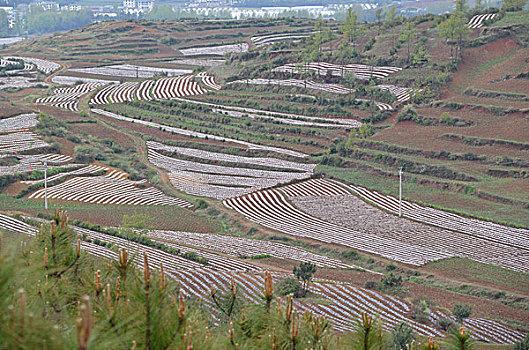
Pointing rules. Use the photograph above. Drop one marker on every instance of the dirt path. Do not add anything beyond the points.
(64, 66)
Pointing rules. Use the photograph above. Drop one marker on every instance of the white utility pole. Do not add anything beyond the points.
(400, 192)
(45, 185)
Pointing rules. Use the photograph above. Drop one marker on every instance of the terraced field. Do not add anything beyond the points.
(132, 71)
(164, 88)
(360, 71)
(198, 177)
(68, 98)
(477, 20)
(456, 236)
(245, 247)
(199, 134)
(112, 188)
(18, 123)
(346, 302)
(235, 116)
(219, 50)
(44, 66)
(271, 209)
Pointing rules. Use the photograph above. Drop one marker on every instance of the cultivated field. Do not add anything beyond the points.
(200, 178)
(111, 188)
(224, 149)
(468, 238)
(271, 209)
(347, 302)
(132, 71)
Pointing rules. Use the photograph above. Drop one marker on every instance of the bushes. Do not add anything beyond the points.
(350, 254)
(407, 113)
(289, 285)
(462, 311)
(421, 311)
(50, 126)
(87, 154)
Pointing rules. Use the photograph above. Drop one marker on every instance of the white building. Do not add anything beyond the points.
(71, 7)
(137, 7)
(47, 5)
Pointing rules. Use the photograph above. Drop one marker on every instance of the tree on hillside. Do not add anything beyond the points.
(380, 18)
(318, 35)
(391, 15)
(461, 5)
(513, 5)
(454, 30)
(328, 36)
(4, 27)
(407, 35)
(402, 336)
(304, 273)
(350, 26)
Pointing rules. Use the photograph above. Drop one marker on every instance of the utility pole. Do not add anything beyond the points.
(46, 185)
(400, 192)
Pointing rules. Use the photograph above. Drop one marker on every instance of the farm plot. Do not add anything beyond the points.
(346, 302)
(172, 261)
(35, 162)
(264, 161)
(20, 82)
(483, 329)
(122, 92)
(478, 20)
(20, 141)
(262, 40)
(208, 81)
(68, 98)
(381, 106)
(341, 208)
(199, 62)
(271, 209)
(20, 122)
(160, 89)
(132, 71)
(215, 261)
(219, 50)
(67, 80)
(283, 118)
(4, 63)
(306, 84)
(200, 135)
(216, 181)
(322, 68)
(89, 169)
(46, 67)
(309, 84)
(14, 225)
(111, 188)
(197, 280)
(402, 94)
(176, 87)
(515, 237)
(246, 247)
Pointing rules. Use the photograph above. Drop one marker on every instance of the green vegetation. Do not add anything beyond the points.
(462, 311)
(123, 306)
(304, 273)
